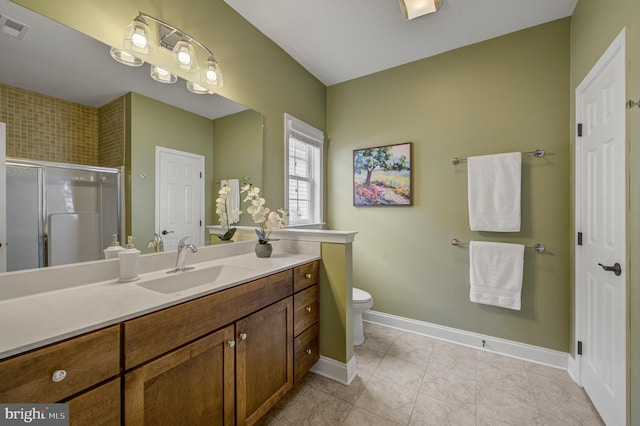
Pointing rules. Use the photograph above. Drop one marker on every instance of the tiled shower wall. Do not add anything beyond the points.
(111, 133)
(45, 128)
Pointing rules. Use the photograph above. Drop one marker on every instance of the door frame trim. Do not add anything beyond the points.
(618, 46)
(201, 158)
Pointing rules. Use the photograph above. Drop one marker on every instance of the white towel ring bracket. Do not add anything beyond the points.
(538, 248)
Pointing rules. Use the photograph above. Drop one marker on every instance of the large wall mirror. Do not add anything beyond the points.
(56, 68)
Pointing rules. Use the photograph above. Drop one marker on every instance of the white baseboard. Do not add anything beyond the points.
(574, 369)
(509, 348)
(338, 371)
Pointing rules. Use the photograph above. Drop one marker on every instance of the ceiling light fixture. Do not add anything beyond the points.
(174, 54)
(415, 8)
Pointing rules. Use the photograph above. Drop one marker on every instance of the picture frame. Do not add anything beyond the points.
(382, 176)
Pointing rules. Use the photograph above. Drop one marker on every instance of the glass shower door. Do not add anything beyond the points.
(25, 237)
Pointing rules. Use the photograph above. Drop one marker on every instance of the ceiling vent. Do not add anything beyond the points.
(13, 28)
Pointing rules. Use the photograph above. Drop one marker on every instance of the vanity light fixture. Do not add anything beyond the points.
(162, 75)
(174, 54)
(125, 58)
(415, 8)
(196, 88)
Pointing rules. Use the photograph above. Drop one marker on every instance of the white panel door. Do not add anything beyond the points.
(179, 197)
(601, 275)
(3, 198)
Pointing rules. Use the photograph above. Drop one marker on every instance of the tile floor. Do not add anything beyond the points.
(408, 379)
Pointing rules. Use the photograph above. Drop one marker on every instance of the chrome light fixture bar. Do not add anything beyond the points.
(414, 8)
(139, 45)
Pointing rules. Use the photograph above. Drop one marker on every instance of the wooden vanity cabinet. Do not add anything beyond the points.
(173, 379)
(97, 407)
(264, 357)
(193, 385)
(69, 371)
(225, 358)
(306, 306)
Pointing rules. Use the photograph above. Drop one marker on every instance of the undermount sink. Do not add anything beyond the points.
(184, 280)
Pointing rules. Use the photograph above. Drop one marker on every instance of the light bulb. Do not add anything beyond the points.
(212, 76)
(139, 40)
(184, 58)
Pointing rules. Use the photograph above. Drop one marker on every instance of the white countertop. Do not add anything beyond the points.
(35, 320)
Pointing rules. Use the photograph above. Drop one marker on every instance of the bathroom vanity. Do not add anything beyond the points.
(226, 353)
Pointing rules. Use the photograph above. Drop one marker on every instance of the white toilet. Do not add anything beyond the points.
(362, 302)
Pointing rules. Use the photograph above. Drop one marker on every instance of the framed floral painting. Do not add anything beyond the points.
(382, 176)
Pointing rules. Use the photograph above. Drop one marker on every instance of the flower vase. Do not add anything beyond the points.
(263, 249)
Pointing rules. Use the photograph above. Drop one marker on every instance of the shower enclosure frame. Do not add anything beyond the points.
(42, 195)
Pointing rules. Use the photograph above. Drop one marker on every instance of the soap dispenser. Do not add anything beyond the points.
(111, 252)
(129, 262)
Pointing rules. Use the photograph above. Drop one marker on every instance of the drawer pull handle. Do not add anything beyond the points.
(308, 309)
(58, 376)
(307, 276)
(308, 351)
(231, 343)
(243, 336)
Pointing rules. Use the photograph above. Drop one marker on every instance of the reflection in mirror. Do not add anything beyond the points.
(77, 105)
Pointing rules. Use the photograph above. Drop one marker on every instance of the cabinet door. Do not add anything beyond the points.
(264, 357)
(193, 385)
(97, 407)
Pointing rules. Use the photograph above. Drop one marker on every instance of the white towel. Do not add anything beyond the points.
(494, 192)
(495, 273)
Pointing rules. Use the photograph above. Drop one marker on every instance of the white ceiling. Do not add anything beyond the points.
(338, 40)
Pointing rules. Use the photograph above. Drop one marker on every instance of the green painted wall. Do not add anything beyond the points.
(336, 317)
(505, 94)
(257, 73)
(154, 124)
(237, 153)
(594, 25)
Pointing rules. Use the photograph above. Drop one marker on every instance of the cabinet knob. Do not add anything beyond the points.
(231, 343)
(58, 376)
(308, 309)
(243, 336)
(308, 351)
(307, 276)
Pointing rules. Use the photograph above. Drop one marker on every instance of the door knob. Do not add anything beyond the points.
(165, 232)
(616, 269)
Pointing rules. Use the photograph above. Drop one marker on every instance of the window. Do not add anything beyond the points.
(303, 172)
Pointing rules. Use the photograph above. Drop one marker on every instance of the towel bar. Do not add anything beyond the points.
(539, 248)
(538, 153)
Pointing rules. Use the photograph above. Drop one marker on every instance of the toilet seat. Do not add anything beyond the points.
(361, 296)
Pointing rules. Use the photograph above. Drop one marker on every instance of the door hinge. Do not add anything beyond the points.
(579, 238)
(579, 347)
(579, 129)
(200, 175)
(200, 223)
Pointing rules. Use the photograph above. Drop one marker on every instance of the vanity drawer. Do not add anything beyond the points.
(306, 352)
(305, 276)
(305, 309)
(154, 334)
(86, 360)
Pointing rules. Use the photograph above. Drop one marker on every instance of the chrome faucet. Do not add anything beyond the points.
(157, 244)
(183, 247)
